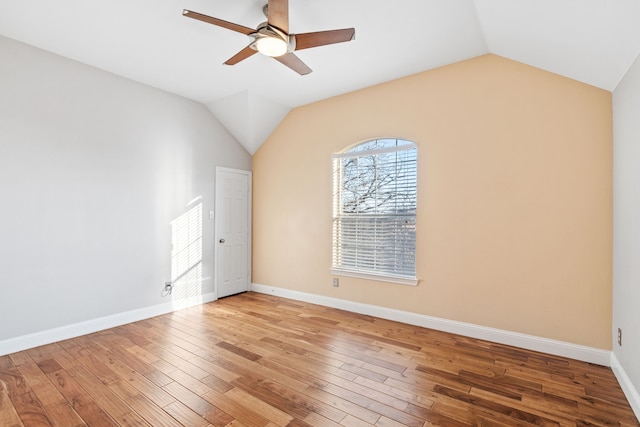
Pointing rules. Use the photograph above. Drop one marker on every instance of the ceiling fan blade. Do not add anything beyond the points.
(293, 62)
(241, 56)
(219, 22)
(278, 14)
(321, 38)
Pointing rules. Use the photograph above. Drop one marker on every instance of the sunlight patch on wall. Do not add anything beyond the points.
(186, 255)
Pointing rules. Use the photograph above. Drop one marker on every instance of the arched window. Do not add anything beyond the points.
(374, 211)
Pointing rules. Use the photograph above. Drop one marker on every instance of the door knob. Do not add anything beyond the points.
(222, 240)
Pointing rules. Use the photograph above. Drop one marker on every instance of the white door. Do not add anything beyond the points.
(233, 231)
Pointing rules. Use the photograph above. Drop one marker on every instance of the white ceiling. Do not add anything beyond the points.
(593, 41)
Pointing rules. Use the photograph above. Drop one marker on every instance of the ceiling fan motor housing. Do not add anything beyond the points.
(264, 30)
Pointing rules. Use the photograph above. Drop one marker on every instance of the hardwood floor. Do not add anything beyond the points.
(258, 360)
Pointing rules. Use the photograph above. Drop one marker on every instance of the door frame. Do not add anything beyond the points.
(215, 225)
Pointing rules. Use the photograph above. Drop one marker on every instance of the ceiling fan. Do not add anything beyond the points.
(272, 38)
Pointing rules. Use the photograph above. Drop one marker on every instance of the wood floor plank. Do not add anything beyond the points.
(373, 405)
(185, 415)
(306, 370)
(346, 406)
(517, 414)
(31, 410)
(32, 373)
(434, 417)
(134, 378)
(287, 367)
(62, 414)
(547, 409)
(359, 371)
(239, 351)
(47, 394)
(104, 397)
(152, 414)
(393, 392)
(12, 381)
(142, 406)
(8, 414)
(79, 400)
(98, 369)
(256, 371)
(186, 380)
(261, 390)
(143, 354)
(132, 419)
(374, 393)
(220, 372)
(273, 414)
(255, 360)
(210, 412)
(236, 408)
(6, 362)
(179, 361)
(315, 419)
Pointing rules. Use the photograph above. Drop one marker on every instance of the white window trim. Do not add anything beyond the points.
(349, 154)
(350, 271)
(402, 280)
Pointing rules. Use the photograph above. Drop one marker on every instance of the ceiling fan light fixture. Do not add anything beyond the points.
(271, 46)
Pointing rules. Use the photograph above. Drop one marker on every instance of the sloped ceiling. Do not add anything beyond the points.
(593, 41)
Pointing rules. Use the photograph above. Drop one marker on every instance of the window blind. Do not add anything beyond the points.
(374, 220)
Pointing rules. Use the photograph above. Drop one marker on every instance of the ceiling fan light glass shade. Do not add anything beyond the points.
(271, 46)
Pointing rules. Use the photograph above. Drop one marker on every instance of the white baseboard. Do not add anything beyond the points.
(49, 336)
(629, 390)
(529, 342)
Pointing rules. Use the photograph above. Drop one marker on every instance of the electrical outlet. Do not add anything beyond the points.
(619, 337)
(336, 282)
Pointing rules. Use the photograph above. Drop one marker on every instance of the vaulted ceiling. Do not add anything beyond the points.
(593, 41)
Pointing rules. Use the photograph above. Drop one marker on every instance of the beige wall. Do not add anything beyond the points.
(514, 197)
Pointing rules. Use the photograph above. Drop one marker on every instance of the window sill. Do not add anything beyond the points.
(402, 280)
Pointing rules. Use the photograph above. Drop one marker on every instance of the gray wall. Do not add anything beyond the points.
(93, 170)
(626, 222)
